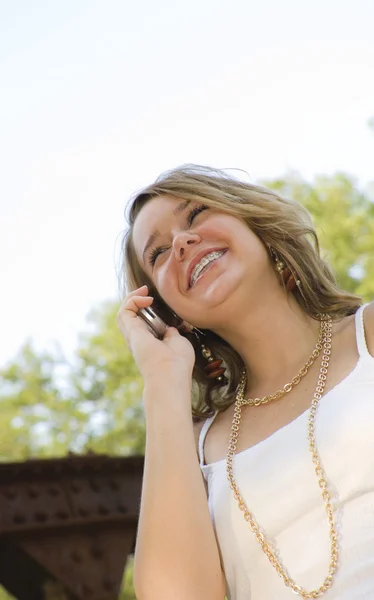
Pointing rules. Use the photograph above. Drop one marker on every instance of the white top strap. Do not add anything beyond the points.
(360, 332)
(203, 432)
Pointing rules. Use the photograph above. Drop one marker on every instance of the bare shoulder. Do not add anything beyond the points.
(369, 326)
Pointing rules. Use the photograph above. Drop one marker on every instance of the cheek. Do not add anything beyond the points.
(217, 227)
(165, 277)
(228, 229)
(237, 235)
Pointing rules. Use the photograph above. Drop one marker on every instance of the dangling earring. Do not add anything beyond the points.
(286, 275)
(213, 369)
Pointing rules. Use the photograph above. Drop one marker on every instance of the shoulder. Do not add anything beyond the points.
(369, 326)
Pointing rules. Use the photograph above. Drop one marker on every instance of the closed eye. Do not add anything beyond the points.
(154, 254)
(194, 212)
(190, 217)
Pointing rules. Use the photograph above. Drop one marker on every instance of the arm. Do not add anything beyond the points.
(176, 553)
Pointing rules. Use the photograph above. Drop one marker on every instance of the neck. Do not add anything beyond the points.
(274, 340)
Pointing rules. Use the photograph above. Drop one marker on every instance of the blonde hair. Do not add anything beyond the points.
(282, 224)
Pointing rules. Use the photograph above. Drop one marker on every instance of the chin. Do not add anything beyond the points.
(219, 293)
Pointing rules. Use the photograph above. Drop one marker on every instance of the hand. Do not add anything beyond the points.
(154, 358)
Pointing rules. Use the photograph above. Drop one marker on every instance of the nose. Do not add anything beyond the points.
(182, 241)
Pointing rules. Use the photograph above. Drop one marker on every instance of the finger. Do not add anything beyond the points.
(127, 316)
(135, 302)
(131, 306)
(143, 290)
(171, 332)
(140, 292)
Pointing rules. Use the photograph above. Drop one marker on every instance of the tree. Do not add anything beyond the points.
(108, 379)
(37, 417)
(344, 219)
(50, 407)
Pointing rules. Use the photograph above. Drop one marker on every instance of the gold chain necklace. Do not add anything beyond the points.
(326, 328)
(289, 386)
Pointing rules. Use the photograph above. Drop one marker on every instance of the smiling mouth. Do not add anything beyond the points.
(205, 269)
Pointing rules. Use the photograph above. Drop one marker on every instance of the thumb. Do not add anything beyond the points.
(171, 332)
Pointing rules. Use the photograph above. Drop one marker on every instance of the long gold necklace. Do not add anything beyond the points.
(289, 386)
(326, 329)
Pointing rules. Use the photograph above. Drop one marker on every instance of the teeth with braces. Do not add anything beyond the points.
(204, 261)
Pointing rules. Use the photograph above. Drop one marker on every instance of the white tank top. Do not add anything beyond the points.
(277, 481)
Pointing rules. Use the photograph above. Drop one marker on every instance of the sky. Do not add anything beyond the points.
(97, 98)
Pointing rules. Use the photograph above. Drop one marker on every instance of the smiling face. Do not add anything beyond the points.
(171, 237)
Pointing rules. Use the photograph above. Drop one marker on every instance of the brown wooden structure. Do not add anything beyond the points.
(68, 525)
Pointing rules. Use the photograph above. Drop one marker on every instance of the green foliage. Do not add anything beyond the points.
(108, 379)
(127, 589)
(344, 220)
(49, 406)
(35, 412)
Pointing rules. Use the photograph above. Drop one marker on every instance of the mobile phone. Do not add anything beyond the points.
(157, 320)
(153, 321)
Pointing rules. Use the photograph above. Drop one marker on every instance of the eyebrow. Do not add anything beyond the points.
(155, 234)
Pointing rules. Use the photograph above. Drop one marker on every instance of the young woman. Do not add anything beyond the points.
(259, 462)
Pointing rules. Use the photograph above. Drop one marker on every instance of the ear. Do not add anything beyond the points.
(369, 327)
